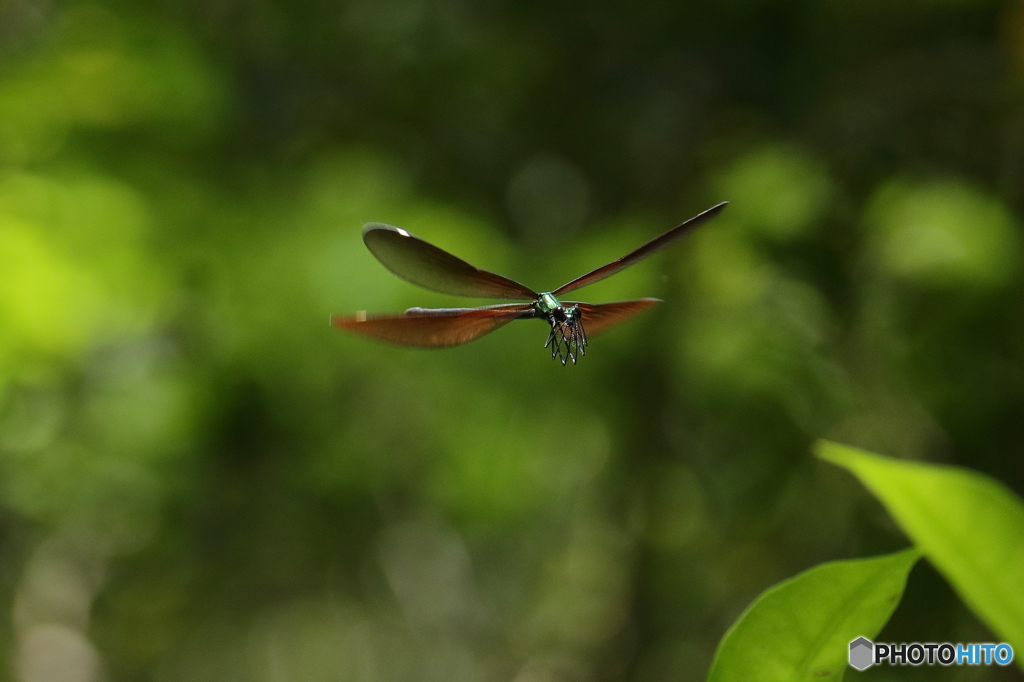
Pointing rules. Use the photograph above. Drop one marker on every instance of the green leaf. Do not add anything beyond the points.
(801, 629)
(971, 527)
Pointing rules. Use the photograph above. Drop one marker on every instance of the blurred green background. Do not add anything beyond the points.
(201, 480)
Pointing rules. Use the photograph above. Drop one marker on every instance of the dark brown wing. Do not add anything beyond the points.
(426, 265)
(433, 327)
(600, 316)
(637, 255)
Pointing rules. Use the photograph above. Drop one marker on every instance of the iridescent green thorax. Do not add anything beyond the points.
(547, 303)
(567, 339)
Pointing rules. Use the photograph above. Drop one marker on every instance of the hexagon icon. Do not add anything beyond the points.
(861, 653)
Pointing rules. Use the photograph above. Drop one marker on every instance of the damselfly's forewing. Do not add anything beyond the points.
(425, 265)
(637, 255)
